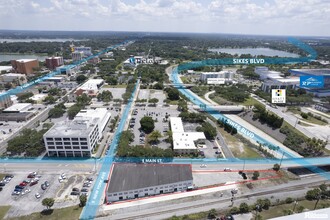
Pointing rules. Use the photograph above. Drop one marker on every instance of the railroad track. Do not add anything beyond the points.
(247, 196)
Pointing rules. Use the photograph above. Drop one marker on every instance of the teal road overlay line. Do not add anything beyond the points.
(93, 202)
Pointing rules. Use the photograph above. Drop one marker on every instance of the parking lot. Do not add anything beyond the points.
(158, 115)
(29, 196)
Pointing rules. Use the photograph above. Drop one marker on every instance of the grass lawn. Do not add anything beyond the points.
(194, 216)
(69, 213)
(277, 211)
(304, 124)
(292, 128)
(3, 210)
(250, 102)
(173, 102)
(115, 86)
(185, 79)
(234, 141)
(314, 121)
(2, 176)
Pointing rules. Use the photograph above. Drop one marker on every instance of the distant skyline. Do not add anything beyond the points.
(256, 17)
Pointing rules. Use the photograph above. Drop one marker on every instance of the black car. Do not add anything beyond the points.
(43, 186)
(0, 189)
(75, 190)
(2, 184)
(19, 187)
(84, 190)
(9, 176)
(74, 193)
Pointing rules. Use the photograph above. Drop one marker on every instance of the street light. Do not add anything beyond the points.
(294, 207)
(282, 159)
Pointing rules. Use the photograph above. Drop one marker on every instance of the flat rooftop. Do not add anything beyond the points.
(75, 128)
(5, 68)
(185, 140)
(125, 177)
(316, 72)
(25, 60)
(18, 107)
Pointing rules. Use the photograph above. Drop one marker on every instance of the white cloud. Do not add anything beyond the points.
(253, 16)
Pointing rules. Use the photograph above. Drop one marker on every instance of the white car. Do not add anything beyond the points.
(203, 165)
(227, 169)
(38, 195)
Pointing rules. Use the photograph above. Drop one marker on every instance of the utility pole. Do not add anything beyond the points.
(281, 159)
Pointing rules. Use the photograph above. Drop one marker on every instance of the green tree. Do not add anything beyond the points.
(243, 207)
(208, 129)
(81, 79)
(255, 175)
(83, 200)
(154, 101)
(73, 111)
(83, 100)
(105, 96)
(49, 99)
(48, 202)
(313, 194)
(212, 214)
(276, 167)
(173, 94)
(154, 136)
(56, 112)
(147, 124)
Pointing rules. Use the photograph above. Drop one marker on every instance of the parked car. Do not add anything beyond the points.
(19, 187)
(90, 178)
(31, 175)
(37, 195)
(74, 193)
(84, 190)
(47, 183)
(23, 184)
(227, 169)
(15, 193)
(34, 182)
(43, 186)
(84, 193)
(75, 190)
(1, 189)
(87, 185)
(9, 176)
(2, 184)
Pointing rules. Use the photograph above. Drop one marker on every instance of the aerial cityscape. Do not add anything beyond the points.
(166, 109)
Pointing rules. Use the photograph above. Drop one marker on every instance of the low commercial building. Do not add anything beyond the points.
(79, 137)
(130, 181)
(5, 69)
(25, 66)
(91, 87)
(184, 142)
(17, 112)
(16, 78)
(322, 107)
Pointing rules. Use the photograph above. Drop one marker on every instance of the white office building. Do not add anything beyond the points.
(79, 137)
(86, 51)
(217, 77)
(184, 142)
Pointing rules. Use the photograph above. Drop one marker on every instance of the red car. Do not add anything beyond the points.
(23, 184)
(33, 183)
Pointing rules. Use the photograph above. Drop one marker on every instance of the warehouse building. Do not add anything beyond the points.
(130, 181)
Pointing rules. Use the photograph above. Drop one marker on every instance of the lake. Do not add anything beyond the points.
(254, 51)
(9, 57)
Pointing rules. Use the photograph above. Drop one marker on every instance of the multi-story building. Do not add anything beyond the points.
(131, 181)
(25, 66)
(79, 137)
(91, 88)
(77, 55)
(76, 138)
(221, 77)
(184, 142)
(53, 62)
(5, 101)
(86, 51)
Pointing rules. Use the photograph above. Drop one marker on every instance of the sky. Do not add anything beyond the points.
(261, 17)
